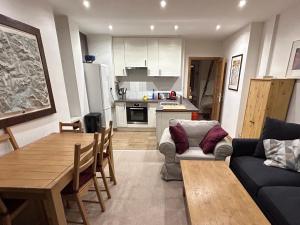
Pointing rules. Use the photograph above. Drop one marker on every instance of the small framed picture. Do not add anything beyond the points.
(293, 69)
(235, 72)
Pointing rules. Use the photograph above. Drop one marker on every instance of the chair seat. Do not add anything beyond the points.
(194, 153)
(13, 204)
(84, 177)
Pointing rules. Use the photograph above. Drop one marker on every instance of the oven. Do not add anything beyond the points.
(137, 113)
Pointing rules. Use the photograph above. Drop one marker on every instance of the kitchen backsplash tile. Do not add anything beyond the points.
(140, 85)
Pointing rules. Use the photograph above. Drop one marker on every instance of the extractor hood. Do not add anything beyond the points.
(133, 70)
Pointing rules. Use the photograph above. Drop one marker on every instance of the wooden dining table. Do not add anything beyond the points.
(41, 170)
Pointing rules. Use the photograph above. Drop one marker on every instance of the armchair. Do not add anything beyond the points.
(196, 131)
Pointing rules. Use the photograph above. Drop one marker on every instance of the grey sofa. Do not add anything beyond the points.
(196, 131)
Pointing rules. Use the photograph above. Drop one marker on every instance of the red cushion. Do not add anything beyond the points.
(211, 139)
(179, 136)
(84, 177)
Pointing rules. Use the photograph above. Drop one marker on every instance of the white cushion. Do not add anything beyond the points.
(194, 153)
(195, 129)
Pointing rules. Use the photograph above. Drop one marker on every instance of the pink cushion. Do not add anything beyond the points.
(214, 135)
(180, 138)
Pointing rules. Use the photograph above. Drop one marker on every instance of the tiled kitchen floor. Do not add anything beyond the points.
(127, 140)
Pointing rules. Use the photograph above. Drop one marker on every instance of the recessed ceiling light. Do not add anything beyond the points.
(176, 27)
(110, 27)
(86, 4)
(163, 3)
(242, 3)
(218, 27)
(152, 27)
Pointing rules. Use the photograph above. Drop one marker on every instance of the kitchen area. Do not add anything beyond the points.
(148, 82)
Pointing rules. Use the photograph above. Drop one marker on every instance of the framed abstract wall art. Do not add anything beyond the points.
(235, 72)
(25, 89)
(293, 70)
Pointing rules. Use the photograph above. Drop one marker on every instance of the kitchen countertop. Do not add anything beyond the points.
(189, 106)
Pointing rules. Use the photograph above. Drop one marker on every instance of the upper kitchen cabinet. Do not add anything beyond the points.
(169, 57)
(152, 64)
(135, 52)
(119, 56)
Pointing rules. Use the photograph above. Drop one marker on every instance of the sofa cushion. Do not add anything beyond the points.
(253, 174)
(276, 129)
(212, 138)
(280, 204)
(194, 153)
(283, 154)
(179, 136)
(195, 130)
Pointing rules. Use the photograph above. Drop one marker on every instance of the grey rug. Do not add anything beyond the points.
(141, 197)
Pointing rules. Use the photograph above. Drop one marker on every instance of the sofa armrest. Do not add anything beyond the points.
(223, 149)
(243, 147)
(167, 146)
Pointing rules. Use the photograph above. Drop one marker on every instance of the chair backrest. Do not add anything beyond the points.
(75, 127)
(83, 159)
(3, 209)
(8, 136)
(105, 143)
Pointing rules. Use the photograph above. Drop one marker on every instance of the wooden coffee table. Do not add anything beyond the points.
(214, 196)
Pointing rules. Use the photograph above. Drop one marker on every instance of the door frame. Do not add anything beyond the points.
(216, 114)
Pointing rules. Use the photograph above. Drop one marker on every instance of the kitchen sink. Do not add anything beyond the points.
(169, 103)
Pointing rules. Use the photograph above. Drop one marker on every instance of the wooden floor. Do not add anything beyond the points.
(127, 140)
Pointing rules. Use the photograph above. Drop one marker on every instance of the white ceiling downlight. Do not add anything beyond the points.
(86, 4)
(152, 27)
(242, 3)
(218, 27)
(163, 3)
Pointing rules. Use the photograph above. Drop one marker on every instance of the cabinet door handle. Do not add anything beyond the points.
(145, 62)
(251, 121)
(159, 72)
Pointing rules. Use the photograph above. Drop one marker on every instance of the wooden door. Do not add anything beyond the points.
(218, 90)
(256, 108)
(170, 55)
(135, 52)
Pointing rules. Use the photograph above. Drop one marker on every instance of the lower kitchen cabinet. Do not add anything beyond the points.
(121, 115)
(152, 114)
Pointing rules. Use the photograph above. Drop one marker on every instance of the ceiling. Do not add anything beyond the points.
(195, 18)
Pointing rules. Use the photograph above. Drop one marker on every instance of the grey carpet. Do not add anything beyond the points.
(141, 197)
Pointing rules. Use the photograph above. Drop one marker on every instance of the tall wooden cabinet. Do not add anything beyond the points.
(266, 98)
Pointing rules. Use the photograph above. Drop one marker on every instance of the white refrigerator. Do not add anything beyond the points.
(98, 86)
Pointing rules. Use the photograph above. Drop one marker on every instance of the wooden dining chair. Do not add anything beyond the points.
(10, 208)
(84, 176)
(8, 136)
(105, 157)
(75, 127)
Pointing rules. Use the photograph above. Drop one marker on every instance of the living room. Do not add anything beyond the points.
(162, 157)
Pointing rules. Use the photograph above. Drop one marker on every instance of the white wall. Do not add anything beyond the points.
(70, 46)
(287, 32)
(39, 14)
(235, 45)
(65, 47)
(199, 48)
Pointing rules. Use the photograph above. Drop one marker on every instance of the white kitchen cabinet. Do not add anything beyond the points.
(169, 57)
(153, 66)
(121, 114)
(119, 56)
(152, 114)
(135, 52)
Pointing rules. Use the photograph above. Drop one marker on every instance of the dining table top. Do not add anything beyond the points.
(41, 164)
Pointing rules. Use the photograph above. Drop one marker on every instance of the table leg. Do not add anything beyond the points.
(54, 208)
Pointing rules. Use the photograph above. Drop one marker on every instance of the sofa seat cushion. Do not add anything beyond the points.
(194, 153)
(253, 174)
(280, 204)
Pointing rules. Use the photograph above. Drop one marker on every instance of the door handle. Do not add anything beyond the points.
(145, 62)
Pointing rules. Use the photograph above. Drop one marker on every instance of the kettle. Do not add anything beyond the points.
(172, 95)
